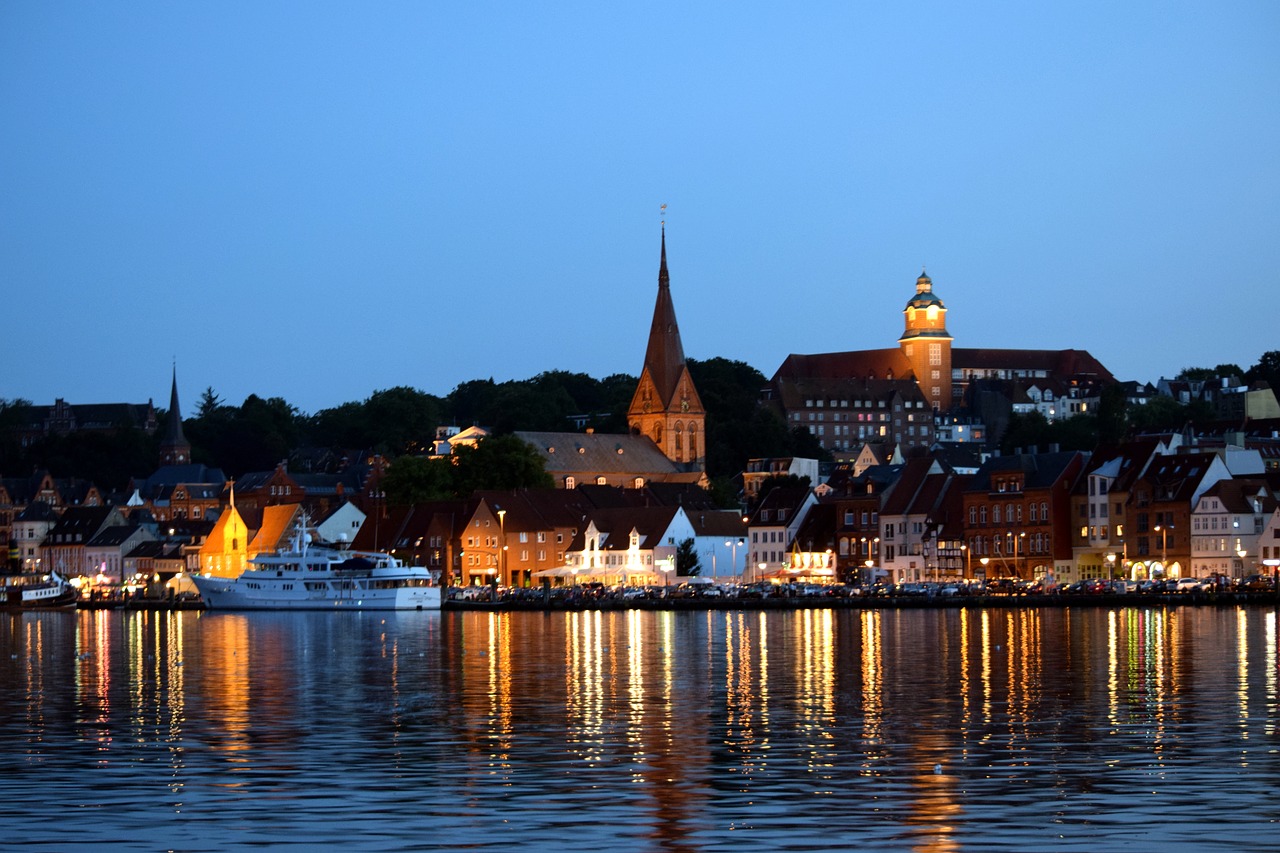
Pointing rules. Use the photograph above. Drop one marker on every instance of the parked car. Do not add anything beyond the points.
(1187, 585)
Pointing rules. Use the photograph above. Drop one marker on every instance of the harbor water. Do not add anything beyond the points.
(932, 729)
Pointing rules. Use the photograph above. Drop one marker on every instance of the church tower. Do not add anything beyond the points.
(666, 406)
(174, 449)
(927, 344)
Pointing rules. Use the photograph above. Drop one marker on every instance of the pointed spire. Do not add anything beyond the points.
(664, 280)
(175, 435)
(174, 449)
(664, 358)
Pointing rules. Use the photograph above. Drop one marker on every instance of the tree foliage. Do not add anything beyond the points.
(688, 563)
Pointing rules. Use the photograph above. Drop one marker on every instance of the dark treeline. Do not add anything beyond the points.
(259, 433)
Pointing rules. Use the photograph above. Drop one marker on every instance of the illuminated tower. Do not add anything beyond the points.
(174, 449)
(666, 407)
(927, 344)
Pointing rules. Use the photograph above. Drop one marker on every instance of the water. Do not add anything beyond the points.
(1072, 729)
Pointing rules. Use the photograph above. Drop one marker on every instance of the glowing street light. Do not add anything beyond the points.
(1163, 530)
(502, 552)
(733, 544)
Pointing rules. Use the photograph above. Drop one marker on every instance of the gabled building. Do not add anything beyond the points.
(225, 551)
(1227, 523)
(63, 548)
(857, 510)
(1017, 513)
(1160, 504)
(105, 553)
(635, 546)
(812, 558)
(259, 489)
(30, 528)
(772, 529)
(63, 418)
(1100, 530)
(907, 521)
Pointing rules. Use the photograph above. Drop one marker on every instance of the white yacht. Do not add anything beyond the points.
(320, 577)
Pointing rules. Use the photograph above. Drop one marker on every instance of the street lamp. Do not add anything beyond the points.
(968, 561)
(1163, 530)
(1111, 565)
(502, 552)
(734, 543)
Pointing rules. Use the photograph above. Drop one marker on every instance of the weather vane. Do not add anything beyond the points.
(662, 210)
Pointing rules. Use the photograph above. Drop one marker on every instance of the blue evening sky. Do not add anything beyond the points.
(315, 200)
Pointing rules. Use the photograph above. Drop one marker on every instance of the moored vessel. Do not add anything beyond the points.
(37, 591)
(307, 576)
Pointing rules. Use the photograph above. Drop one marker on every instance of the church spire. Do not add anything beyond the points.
(666, 407)
(664, 357)
(174, 449)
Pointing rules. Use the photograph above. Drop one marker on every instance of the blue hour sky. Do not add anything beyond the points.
(315, 201)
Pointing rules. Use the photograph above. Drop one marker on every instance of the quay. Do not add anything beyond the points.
(538, 602)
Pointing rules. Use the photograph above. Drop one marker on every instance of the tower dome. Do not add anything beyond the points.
(926, 343)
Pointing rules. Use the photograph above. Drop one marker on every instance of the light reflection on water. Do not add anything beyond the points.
(818, 729)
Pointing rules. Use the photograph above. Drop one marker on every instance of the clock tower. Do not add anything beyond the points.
(927, 344)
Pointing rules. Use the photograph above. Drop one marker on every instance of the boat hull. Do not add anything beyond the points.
(294, 594)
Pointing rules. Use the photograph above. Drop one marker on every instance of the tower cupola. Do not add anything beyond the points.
(926, 343)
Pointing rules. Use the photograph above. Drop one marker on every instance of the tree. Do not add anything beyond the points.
(1025, 432)
(1113, 421)
(1158, 414)
(688, 563)
(1266, 370)
(777, 481)
(209, 403)
(416, 479)
(500, 462)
